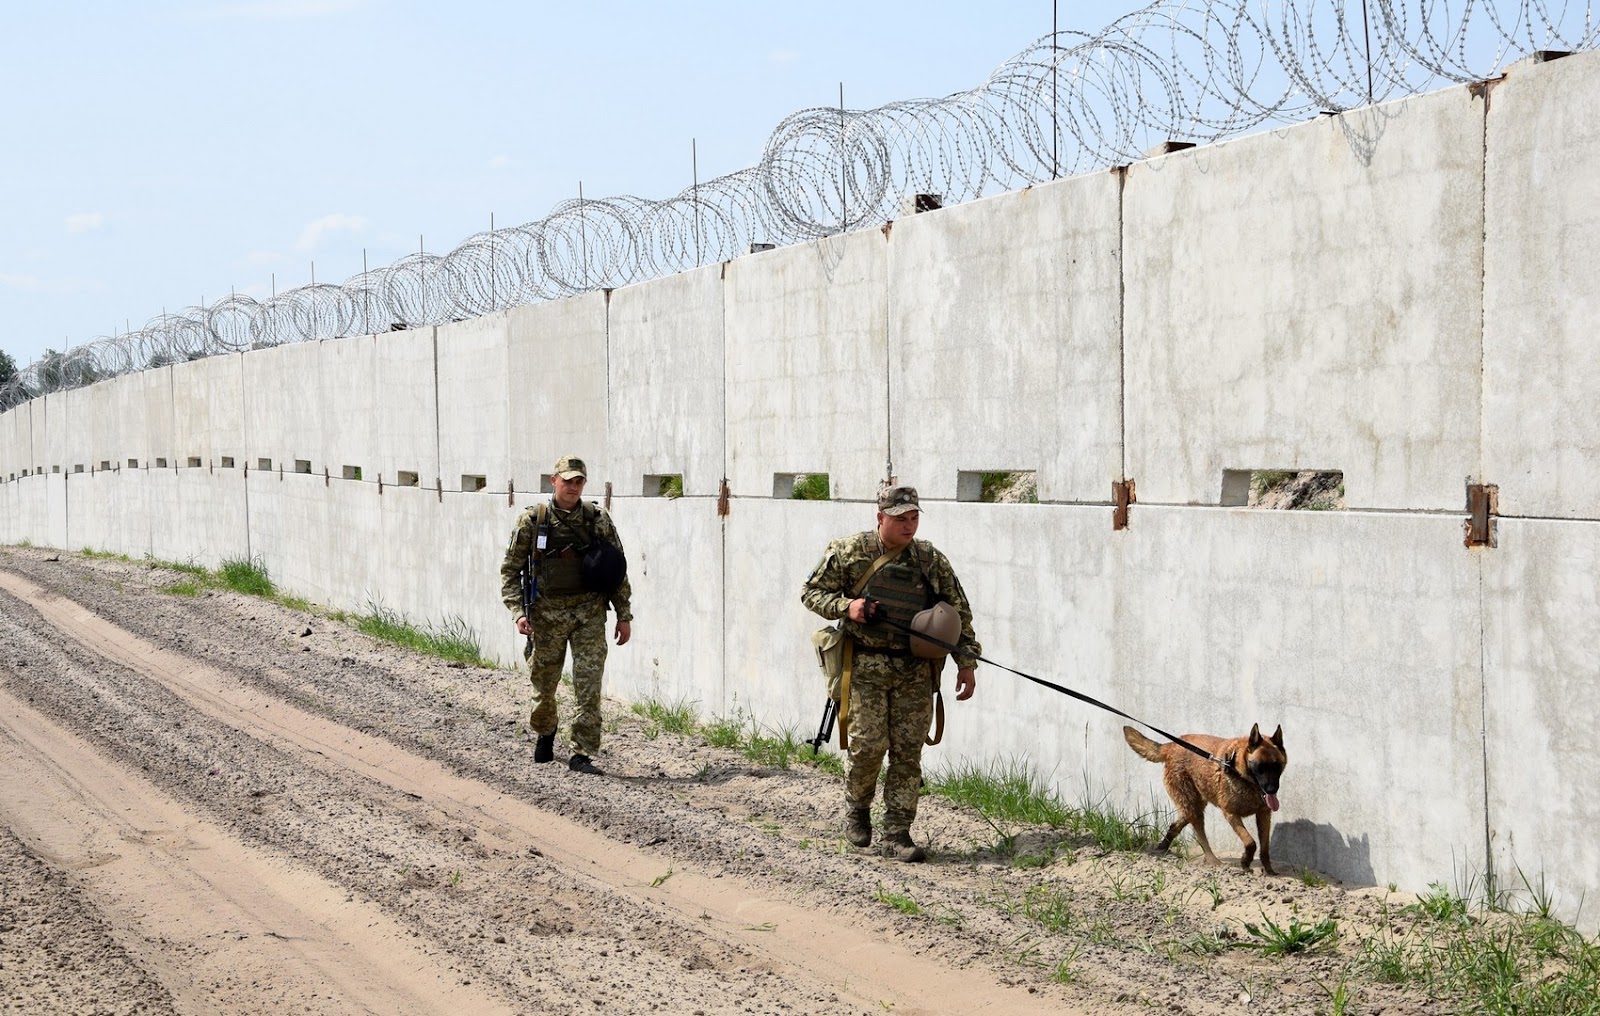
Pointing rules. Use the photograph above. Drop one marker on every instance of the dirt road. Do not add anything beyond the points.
(218, 804)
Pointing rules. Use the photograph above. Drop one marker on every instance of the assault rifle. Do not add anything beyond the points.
(830, 712)
(528, 577)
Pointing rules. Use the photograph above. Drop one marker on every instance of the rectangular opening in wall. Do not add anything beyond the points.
(1316, 490)
(472, 483)
(302, 465)
(544, 485)
(77, 469)
(998, 486)
(352, 472)
(194, 462)
(227, 462)
(55, 469)
(105, 465)
(161, 463)
(265, 465)
(133, 463)
(407, 479)
(663, 485)
(801, 486)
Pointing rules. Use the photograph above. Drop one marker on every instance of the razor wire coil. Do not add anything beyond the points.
(1071, 102)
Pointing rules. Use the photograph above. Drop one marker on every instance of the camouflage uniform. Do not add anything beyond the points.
(562, 617)
(891, 691)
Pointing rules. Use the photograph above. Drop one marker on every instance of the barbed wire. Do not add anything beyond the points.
(1177, 70)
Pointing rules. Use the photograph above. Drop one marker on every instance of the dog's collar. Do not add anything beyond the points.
(1227, 762)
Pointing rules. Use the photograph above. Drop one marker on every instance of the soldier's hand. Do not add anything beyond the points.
(966, 682)
(523, 628)
(859, 610)
(624, 632)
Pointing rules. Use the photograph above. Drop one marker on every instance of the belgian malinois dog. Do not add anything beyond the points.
(1247, 786)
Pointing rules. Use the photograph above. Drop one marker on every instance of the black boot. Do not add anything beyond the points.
(544, 750)
(901, 847)
(858, 827)
(581, 763)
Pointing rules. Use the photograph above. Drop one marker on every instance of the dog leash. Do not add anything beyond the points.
(1225, 762)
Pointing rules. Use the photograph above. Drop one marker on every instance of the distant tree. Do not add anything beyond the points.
(8, 368)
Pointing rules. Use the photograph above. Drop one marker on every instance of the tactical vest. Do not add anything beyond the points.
(901, 589)
(567, 536)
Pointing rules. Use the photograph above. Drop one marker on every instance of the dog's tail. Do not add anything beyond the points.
(1141, 744)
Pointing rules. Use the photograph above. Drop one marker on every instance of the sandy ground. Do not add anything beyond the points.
(218, 804)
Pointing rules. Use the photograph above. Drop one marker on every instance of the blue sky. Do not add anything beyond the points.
(160, 153)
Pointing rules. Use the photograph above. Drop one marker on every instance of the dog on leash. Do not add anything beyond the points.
(1248, 785)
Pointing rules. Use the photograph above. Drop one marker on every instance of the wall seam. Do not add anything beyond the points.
(1483, 440)
(722, 662)
(1122, 318)
(244, 474)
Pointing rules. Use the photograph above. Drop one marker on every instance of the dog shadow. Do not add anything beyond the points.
(1322, 848)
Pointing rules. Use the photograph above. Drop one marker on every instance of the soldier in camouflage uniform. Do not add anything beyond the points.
(563, 611)
(891, 691)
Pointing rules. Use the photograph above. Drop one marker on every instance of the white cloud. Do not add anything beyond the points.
(283, 10)
(29, 282)
(83, 222)
(783, 56)
(311, 236)
(502, 162)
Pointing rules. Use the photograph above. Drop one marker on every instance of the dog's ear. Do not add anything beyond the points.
(1255, 736)
(1277, 737)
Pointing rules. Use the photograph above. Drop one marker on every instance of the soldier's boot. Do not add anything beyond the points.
(901, 847)
(858, 827)
(581, 763)
(544, 750)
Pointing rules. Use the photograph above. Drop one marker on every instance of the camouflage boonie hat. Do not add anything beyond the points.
(570, 467)
(898, 500)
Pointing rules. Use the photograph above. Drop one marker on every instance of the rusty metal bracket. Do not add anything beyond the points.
(722, 498)
(1122, 495)
(325, 476)
(1483, 504)
(438, 484)
(511, 493)
(608, 483)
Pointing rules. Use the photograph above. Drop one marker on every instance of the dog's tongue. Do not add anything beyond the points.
(1272, 801)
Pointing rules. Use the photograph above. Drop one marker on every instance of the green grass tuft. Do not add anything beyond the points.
(248, 577)
(811, 487)
(452, 639)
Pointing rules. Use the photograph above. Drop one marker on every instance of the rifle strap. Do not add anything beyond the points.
(844, 695)
(849, 650)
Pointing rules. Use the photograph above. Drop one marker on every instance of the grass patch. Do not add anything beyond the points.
(1011, 792)
(1274, 939)
(674, 718)
(190, 589)
(811, 487)
(899, 901)
(452, 639)
(96, 555)
(671, 485)
(246, 576)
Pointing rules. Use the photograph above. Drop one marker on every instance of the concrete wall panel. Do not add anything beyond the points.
(1004, 327)
(1542, 656)
(16, 441)
(406, 405)
(283, 411)
(675, 558)
(1311, 298)
(349, 381)
(557, 404)
(1359, 633)
(666, 342)
(474, 360)
(290, 532)
(808, 381)
(208, 410)
(1542, 238)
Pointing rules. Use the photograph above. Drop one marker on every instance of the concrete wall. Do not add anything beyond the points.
(1400, 293)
